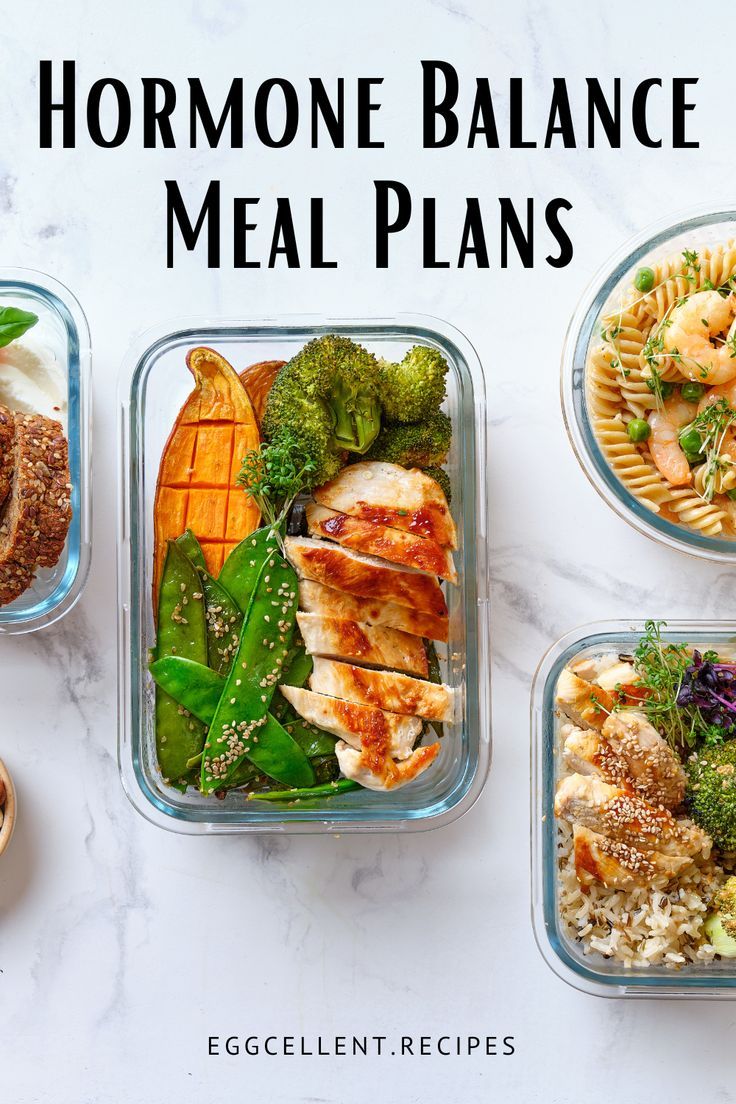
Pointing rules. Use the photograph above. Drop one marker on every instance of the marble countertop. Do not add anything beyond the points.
(108, 995)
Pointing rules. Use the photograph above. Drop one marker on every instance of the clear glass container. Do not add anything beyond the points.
(592, 973)
(63, 333)
(154, 384)
(694, 230)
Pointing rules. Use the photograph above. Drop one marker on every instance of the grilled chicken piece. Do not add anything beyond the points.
(391, 495)
(615, 812)
(620, 674)
(619, 866)
(339, 638)
(376, 773)
(656, 772)
(586, 752)
(384, 689)
(583, 702)
(361, 726)
(395, 545)
(316, 598)
(365, 576)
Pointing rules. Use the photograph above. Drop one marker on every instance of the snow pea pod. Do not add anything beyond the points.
(241, 569)
(224, 622)
(181, 632)
(193, 685)
(329, 789)
(190, 546)
(240, 726)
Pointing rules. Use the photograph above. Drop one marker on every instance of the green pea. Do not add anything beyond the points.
(691, 441)
(665, 387)
(638, 430)
(692, 392)
(732, 494)
(694, 458)
(644, 280)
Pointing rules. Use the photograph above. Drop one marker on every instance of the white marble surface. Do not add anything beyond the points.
(106, 992)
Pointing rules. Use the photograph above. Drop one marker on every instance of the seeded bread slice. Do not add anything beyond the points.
(37, 512)
(7, 438)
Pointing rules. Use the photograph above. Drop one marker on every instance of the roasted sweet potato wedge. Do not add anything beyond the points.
(196, 486)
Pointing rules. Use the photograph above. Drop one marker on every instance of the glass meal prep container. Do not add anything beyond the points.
(592, 973)
(154, 384)
(693, 231)
(63, 334)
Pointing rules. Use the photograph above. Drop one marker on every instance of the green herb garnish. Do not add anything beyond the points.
(14, 322)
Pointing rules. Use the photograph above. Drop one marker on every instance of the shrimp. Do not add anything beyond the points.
(689, 336)
(664, 443)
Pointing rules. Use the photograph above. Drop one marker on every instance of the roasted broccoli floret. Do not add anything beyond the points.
(720, 926)
(424, 445)
(415, 389)
(327, 398)
(711, 792)
(440, 476)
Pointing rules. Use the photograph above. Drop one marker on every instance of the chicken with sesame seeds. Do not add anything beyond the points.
(655, 771)
(616, 812)
(584, 702)
(618, 865)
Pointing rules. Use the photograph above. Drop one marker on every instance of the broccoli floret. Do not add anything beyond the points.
(440, 476)
(327, 398)
(415, 389)
(424, 445)
(720, 926)
(711, 792)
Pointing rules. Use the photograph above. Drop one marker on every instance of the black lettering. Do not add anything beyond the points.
(598, 107)
(284, 237)
(679, 107)
(407, 1045)
(474, 237)
(366, 107)
(291, 112)
(384, 225)
(317, 235)
(442, 1039)
(210, 212)
(240, 231)
(483, 120)
(158, 118)
(639, 112)
(93, 112)
(200, 115)
(508, 1045)
(560, 115)
(267, 1043)
(561, 237)
(524, 241)
(432, 107)
(67, 104)
(516, 115)
(232, 1047)
(429, 236)
(334, 120)
(213, 1045)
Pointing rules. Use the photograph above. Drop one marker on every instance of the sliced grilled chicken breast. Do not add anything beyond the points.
(617, 813)
(383, 774)
(587, 752)
(391, 495)
(583, 702)
(316, 598)
(384, 689)
(339, 638)
(619, 674)
(620, 866)
(656, 772)
(361, 726)
(395, 545)
(365, 576)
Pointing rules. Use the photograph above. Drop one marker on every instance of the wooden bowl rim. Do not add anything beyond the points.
(6, 831)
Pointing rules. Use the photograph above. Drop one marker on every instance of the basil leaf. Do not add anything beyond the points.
(13, 323)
